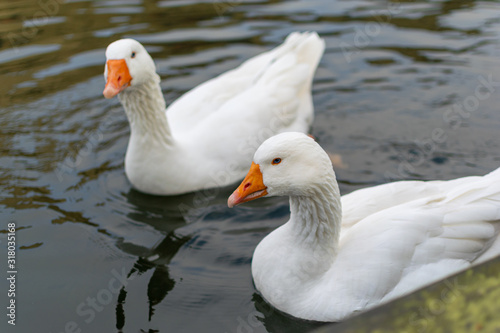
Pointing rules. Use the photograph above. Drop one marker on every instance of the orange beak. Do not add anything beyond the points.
(251, 188)
(118, 78)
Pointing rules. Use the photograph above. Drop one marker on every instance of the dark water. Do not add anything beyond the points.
(405, 90)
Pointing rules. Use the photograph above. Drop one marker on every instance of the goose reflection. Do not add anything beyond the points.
(160, 283)
(167, 215)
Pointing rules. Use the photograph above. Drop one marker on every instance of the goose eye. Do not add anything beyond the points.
(276, 161)
(132, 55)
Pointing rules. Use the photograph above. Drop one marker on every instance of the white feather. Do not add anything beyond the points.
(208, 136)
(384, 242)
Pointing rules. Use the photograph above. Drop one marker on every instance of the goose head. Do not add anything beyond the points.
(128, 64)
(287, 164)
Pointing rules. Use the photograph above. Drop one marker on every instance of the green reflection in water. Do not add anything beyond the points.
(467, 302)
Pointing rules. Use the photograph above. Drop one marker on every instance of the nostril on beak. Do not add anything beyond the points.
(247, 185)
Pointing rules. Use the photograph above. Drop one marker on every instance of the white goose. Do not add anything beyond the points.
(397, 237)
(207, 137)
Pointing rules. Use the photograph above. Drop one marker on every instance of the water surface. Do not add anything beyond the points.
(402, 92)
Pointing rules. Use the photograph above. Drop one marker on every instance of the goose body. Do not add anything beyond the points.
(328, 263)
(207, 137)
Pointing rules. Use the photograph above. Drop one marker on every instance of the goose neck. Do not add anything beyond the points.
(145, 108)
(316, 217)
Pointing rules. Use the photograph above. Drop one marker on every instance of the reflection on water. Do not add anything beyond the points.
(405, 90)
(466, 302)
(160, 282)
